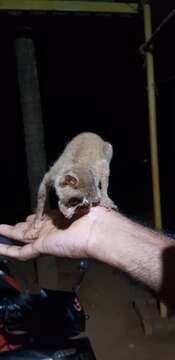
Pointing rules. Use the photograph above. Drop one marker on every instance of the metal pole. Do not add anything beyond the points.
(152, 119)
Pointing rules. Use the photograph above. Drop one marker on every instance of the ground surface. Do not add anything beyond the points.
(113, 327)
(107, 296)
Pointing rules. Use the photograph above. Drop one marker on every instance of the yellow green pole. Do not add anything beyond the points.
(152, 119)
(153, 132)
(70, 6)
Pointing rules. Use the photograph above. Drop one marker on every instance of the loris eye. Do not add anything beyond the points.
(74, 201)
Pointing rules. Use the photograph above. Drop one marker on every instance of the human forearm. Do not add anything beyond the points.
(105, 235)
(144, 254)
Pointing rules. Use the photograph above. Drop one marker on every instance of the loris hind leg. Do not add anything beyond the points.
(104, 178)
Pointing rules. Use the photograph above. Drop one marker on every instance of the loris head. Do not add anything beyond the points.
(76, 188)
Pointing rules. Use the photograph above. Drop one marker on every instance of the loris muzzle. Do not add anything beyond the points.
(76, 189)
(80, 176)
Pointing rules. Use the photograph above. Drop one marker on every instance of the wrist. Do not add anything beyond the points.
(102, 234)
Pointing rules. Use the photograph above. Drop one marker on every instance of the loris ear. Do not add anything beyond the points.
(70, 180)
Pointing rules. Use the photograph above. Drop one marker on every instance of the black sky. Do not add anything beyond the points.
(92, 77)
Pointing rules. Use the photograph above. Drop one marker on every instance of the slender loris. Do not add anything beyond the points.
(80, 176)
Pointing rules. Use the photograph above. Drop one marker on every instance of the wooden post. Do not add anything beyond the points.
(34, 139)
(32, 117)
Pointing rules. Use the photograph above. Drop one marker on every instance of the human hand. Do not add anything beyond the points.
(54, 235)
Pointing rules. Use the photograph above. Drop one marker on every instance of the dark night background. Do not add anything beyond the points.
(93, 78)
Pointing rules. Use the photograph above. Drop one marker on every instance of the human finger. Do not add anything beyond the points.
(15, 232)
(31, 218)
(22, 253)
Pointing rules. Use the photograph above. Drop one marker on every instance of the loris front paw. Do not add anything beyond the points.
(108, 203)
(34, 228)
(38, 221)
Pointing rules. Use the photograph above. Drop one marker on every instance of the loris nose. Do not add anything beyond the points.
(85, 202)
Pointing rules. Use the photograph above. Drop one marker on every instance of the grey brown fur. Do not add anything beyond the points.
(80, 176)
